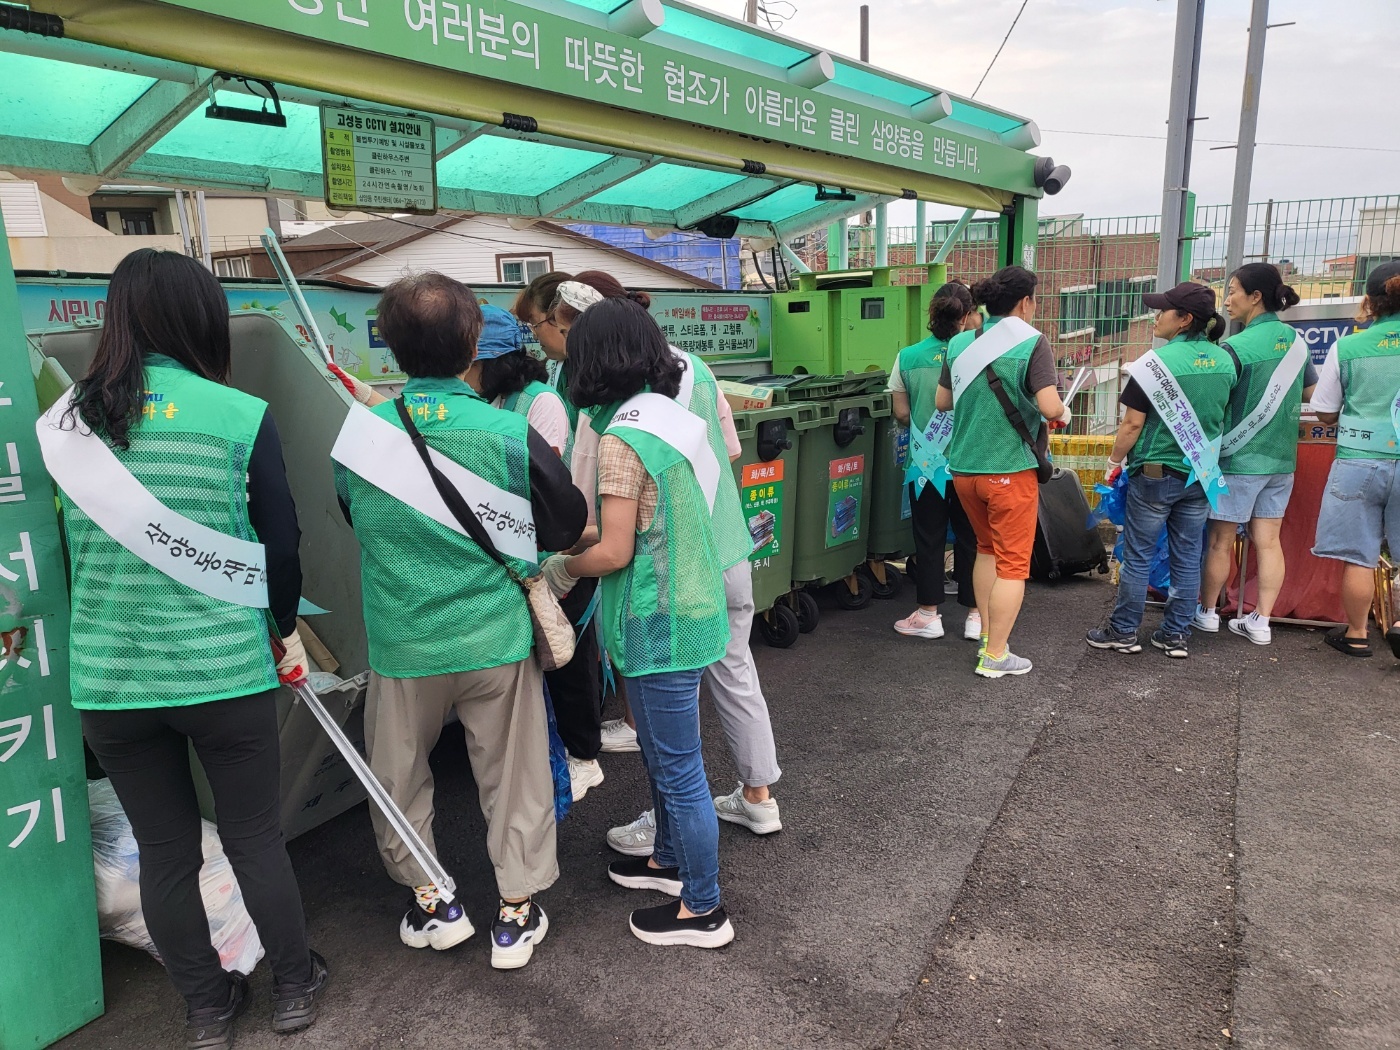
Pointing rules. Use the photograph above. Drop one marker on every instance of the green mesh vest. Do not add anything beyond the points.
(1206, 375)
(572, 411)
(434, 601)
(666, 611)
(1370, 371)
(920, 366)
(984, 441)
(140, 639)
(731, 534)
(1274, 449)
(521, 400)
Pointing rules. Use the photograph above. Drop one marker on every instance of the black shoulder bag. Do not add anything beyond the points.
(1044, 469)
(554, 634)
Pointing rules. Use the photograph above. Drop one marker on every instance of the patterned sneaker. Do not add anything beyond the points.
(1106, 637)
(1173, 645)
(515, 932)
(972, 629)
(1207, 620)
(1254, 627)
(445, 926)
(618, 737)
(919, 624)
(637, 838)
(759, 817)
(584, 774)
(1009, 664)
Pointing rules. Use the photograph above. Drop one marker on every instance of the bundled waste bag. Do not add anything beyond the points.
(117, 865)
(558, 763)
(1113, 508)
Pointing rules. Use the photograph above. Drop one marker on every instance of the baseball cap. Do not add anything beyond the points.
(1198, 300)
(1375, 284)
(501, 333)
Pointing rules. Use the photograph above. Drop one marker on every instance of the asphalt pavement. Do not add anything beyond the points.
(1114, 851)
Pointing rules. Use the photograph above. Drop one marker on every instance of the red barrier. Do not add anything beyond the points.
(1312, 588)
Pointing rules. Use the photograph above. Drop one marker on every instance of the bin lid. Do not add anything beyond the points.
(790, 388)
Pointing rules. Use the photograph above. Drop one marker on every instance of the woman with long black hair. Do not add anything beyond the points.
(182, 537)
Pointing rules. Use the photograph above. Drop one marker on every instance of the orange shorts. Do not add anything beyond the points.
(1002, 509)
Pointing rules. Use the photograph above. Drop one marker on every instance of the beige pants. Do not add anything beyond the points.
(503, 717)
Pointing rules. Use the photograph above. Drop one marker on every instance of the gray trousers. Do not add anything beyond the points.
(735, 692)
(503, 718)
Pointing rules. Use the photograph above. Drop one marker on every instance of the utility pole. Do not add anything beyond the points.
(867, 218)
(750, 11)
(1244, 145)
(1181, 116)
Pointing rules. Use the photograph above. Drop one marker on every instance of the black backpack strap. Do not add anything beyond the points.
(1044, 467)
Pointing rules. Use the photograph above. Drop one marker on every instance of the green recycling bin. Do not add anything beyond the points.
(766, 473)
(834, 475)
(891, 521)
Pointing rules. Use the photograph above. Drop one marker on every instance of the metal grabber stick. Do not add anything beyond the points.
(424, 856)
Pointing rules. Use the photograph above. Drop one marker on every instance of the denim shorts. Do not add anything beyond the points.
(1254, 496)
(1360, 508)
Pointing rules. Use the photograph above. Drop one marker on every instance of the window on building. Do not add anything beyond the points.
(1137, 288)
(522, 269)
(130, 222)
(232, 267)
(23, 208)
(1077, 310)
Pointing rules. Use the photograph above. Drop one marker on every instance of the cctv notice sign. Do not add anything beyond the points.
(378, 161)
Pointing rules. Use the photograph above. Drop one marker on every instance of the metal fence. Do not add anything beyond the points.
(1093, 272)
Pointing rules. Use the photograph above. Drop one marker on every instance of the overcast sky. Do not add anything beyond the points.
(1105, 66)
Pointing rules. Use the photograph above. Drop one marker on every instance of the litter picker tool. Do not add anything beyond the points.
(416, 846)
(1075, 384)
(289, 282)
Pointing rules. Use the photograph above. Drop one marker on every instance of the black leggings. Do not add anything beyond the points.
(576, 688)
(932, 515)
(145, 752)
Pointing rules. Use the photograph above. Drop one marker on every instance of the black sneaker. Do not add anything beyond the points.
(1174, 645)
(1107, 637)
(444, 927)
(294, 1005)
(212, 1027)
(513, 942)
(636, 874)
(663, 925)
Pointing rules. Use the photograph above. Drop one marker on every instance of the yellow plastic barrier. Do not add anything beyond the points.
(1086, 456)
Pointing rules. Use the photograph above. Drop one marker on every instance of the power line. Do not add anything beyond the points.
(1163, 138)
(1003, 44)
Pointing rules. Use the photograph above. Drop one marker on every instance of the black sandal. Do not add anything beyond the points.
(1338, 640)
(1393, 637)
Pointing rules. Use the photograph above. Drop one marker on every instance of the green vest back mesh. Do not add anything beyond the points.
(1370, 369)
(434, 601)
(666, 611)
(920, 366)
(984, 441)
(572, 411)
(1274, 449)
(1206, 375)
(140, 639)
(731, 534)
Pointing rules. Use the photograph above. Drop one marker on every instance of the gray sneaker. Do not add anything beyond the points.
(1008, 664)
(636, 839)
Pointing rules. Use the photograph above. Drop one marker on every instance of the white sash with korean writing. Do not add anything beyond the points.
(384, 456)
(683, 430)
(1179, 417)
(687, 390)
(201, 558)
(1280, 382)
(928, 458)
(1371, 435)
(999, 339)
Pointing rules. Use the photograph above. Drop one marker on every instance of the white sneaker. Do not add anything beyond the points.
(1207, 620)
(759, 817)
(584, 774)
(618, 736)
(636, 839)
(919, 624)
(972, 629)
(1254, 627)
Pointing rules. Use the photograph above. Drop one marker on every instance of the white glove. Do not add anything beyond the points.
(1112, 471)
(293, 666)
(557, 576)
(359, 390)
(1062, 423)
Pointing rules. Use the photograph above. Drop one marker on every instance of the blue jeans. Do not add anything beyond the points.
(1152, 504)
(667, 709)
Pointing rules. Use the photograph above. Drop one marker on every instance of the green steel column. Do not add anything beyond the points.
(1188, 238)
(835, 234)
(843, 248)
(1019, 229)
(882, 235)
(50, 966)
(920, 232)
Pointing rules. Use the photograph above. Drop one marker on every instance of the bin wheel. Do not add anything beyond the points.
(860, 597)
(894, 581)
(779, 627)
(809, 613)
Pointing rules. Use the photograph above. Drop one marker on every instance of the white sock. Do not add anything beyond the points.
(1259, 621)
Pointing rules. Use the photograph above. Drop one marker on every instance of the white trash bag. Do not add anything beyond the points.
(118, 869)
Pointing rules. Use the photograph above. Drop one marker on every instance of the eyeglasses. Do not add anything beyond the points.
(535, 326)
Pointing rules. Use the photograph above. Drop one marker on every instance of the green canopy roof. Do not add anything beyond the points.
(649, 112)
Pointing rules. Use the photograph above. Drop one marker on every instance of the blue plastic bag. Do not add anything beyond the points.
(558, 763)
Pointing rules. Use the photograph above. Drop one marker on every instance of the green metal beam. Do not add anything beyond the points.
(185, 171)
(738, 195)
(824, 214)
(145, 122)
(595, 180)
(67, 158)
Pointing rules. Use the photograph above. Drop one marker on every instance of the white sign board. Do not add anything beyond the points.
(378, 161)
